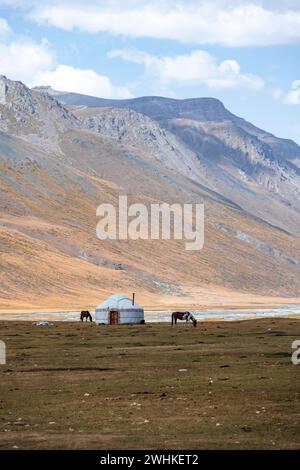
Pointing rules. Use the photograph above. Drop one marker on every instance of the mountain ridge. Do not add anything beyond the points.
(78, 99)
(231, 151)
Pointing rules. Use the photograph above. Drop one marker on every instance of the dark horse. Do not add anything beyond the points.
(85, 314)
(187, 316)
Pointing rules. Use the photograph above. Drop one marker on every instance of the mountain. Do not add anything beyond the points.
(144, 134)
(196, 109)
(58, 163)
(247, 165)
(156, 107)
(37, 117)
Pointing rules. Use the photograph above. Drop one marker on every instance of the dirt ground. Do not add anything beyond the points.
(218, 386)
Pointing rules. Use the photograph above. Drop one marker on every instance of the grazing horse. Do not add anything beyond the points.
(187, 316)
(85, 314)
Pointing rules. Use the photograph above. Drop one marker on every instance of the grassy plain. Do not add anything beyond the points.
(222, 385)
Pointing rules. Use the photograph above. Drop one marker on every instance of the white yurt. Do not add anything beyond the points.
(119, 309)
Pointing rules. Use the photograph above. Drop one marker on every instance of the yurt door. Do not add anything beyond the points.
(113, 317)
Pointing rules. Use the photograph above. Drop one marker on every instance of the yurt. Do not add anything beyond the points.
(118, 309)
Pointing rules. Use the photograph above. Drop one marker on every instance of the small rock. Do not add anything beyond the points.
(246, 429)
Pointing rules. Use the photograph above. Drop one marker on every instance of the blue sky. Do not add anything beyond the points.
(246, 53)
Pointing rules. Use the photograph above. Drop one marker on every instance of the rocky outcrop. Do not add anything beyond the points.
(37, 117)
(139, 131)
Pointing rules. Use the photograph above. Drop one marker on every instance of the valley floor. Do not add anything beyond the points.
(219, 300)
(218, 386)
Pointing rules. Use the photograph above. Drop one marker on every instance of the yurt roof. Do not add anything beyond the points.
(118, 301)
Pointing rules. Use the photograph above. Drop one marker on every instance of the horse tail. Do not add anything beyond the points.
(172, 319)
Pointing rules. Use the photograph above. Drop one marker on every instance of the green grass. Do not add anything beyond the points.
(110, 387)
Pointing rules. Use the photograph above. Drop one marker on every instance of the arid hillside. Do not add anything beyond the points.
(57, 165)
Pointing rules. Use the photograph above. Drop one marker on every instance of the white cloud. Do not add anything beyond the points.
(23, 60)
(235, 23)
(293, 95)
(4, 27)
(35, 64)
(197, 67)
(86, 81)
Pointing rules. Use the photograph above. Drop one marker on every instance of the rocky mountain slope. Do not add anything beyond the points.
(253, 168)
(195, 109)
(57, 165)
(139, 131)
(36, 117)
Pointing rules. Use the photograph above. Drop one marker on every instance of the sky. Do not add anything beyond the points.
(244, 52)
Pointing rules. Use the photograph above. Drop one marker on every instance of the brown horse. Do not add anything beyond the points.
(85, 314)
(187, 316)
